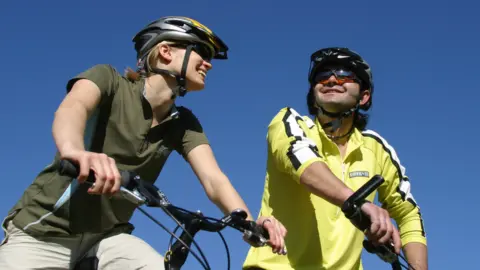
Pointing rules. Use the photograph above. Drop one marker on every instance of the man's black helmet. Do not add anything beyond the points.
(346, 58)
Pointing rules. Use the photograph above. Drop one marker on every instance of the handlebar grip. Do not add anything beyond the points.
(352, 206)
(70, 169)
(366, 189)
(67, 168)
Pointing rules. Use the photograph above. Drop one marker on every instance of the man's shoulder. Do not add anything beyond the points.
(287, 114)
(288, 111)
(375, 141)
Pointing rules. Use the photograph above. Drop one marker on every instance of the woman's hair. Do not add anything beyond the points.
(152, 59)
(132, 75)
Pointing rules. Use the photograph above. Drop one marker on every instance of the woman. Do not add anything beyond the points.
(109, 122)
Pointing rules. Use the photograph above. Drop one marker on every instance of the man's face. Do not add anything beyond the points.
(337, 89)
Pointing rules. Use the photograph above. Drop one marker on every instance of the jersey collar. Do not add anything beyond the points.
(355, 139)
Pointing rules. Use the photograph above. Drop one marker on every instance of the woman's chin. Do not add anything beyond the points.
(196, 86)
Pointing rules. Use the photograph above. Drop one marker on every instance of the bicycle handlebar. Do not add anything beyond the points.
(351, 207)
(140, 192)
(352, 210)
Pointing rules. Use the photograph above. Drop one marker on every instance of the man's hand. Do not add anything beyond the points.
(381, 230)
(277, 233)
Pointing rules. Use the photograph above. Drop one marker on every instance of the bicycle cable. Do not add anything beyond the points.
(204, 263)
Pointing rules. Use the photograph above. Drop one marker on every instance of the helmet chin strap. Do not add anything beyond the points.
(337, 122)
(180, 89)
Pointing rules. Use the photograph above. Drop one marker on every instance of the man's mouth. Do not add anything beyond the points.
(331, 90)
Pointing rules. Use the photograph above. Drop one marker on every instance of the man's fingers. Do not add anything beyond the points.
(387, 234)
(282, 232)
(397, 242)
(276, 239)
(280, 243)
(374, 229)
(268, 225)
(381, 230)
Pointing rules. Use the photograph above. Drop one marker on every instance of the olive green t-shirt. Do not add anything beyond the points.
(120, 128)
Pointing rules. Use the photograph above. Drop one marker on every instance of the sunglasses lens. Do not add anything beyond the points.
(344, 73)
(323, 75)
(203, 51)
(342, 76)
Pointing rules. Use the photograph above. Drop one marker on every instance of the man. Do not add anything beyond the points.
(313, 166)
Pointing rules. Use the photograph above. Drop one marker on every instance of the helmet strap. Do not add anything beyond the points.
(182, 81)
(337, 122)
(180, 89)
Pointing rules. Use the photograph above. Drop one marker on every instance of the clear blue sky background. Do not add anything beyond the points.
(425, 62)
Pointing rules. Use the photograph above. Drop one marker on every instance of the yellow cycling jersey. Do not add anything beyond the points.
(319, 235)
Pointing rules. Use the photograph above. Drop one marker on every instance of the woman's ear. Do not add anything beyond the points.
(164, 53)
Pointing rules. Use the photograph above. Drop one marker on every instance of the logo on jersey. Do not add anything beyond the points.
(359, 174)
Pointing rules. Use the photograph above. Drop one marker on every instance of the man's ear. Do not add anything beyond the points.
(364, 97)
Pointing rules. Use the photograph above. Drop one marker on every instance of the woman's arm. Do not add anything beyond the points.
(221, 192)
(216, 184)
(72, 114)
(68, 132)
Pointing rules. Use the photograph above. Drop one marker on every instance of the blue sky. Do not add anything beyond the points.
(423, 104)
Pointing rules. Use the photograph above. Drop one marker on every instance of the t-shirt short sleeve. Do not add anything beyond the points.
(192, 132)
(104, 76)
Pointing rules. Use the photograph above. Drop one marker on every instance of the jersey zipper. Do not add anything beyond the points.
(343, 180)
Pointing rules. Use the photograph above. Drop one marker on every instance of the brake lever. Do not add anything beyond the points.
(255, 240)
(252, 233)
(152, 196)
(385, 252)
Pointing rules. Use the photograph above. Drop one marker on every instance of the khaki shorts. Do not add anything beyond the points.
(19, 250)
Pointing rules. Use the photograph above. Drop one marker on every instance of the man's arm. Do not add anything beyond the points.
(319, 180)
(416, 254)
(296, 154)
(396, 197)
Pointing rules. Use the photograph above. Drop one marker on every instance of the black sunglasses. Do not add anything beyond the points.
(343, 76)
(202, 49)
